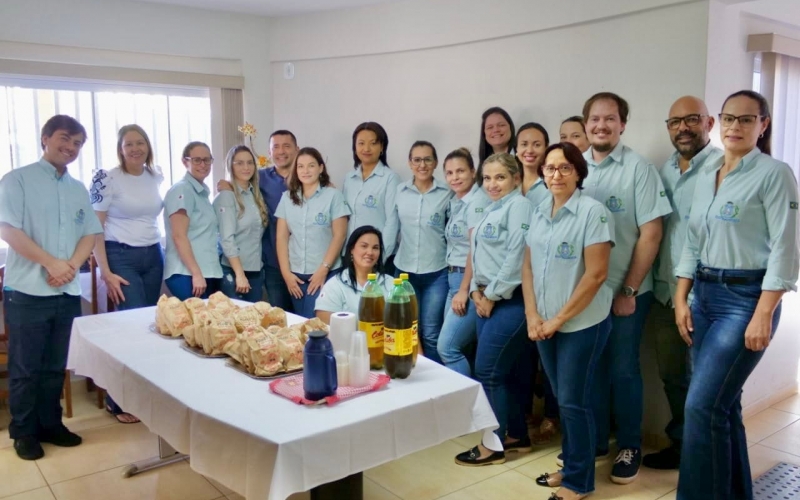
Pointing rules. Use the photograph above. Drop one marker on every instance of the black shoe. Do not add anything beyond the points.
(599, 456)
(471, 458)
(520, 446)
(666, 459)
(28, 448)
(60, 436)
(626, 466)
(549, 481)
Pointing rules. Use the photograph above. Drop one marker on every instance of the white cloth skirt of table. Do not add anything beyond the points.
(254, 442)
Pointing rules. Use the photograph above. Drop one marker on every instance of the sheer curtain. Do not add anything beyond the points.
(786, 111)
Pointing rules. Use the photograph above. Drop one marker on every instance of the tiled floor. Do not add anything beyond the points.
(92, 471)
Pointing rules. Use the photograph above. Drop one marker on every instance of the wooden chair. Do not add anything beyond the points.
(90, 385)
(3, 340)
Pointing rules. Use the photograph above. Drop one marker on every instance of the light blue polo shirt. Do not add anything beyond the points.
(338, 296)
(371, 202)
(680, 190)
(498, 246)
(240, 232)
(422, 218)
(537, 193)
(55, 212)
(191, 195)
(751, 223)
(310, 227)
(630, 188)
(556, 246)
(465, 214)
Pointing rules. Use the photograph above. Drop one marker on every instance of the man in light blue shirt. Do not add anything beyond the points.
(48, 222)
(629, 187)
(688, 125)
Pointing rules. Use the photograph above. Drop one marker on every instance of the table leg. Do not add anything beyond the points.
(166, 455)
(348, 488)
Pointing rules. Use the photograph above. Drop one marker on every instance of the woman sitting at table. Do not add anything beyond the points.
(312, 225)
(497, 252)
(191, 266)
(567, 304)
(242, 217)
(362, 256)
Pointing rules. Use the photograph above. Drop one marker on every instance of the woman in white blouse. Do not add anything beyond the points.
(127, 202)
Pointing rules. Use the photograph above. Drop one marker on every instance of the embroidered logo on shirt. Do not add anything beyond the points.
(603, 219)
(97, 186)
(489, 232)
(435, 219)
(729, 212)
(478, 210)
(526, 227)
(456, 231)
(615, 204)
(793, 205)
(80, 215)
(370, 202)
(565, 251)
(321, 219)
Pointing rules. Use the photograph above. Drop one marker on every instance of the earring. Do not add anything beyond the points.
(761, 136)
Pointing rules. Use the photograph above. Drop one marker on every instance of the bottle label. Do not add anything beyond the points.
(374, 333)
(398, 342)
(415, 340)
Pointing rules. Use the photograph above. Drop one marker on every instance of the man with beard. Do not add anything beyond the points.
(630, 188)
(688, 125)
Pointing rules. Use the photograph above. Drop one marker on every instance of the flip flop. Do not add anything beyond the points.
(117, 415)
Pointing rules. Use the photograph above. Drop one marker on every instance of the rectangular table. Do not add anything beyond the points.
(257, 443)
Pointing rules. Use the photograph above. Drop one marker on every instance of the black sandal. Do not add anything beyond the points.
(545, 480)
(471, 458)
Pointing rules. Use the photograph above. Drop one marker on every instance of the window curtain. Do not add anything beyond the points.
(786, 111)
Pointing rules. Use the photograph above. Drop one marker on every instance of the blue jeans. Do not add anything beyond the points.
(304, 306)
(228, 285)
(180, 285)
(277, 293)
(431, 290)
(458, 332)
(569, 360)
(618, 386)
(142, 267)
(721, 366)
(38, 343)
(502, 349)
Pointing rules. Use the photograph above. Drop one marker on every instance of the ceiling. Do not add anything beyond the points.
(271, 7)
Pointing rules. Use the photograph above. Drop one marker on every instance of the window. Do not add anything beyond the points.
(171, 116)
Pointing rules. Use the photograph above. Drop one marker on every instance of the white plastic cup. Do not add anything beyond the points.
(358, 344)
(342, 368)
(359, 360)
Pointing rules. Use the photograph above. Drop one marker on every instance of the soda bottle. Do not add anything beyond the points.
(398, 333)
(370, 320)
(412, 295)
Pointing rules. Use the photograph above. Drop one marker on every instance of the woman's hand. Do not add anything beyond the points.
(758, 333)
(317, 280)
(114, 284)
(293, 284)
(484, 306)
(623, 306)
(459, 303)
(683, 318)
(198, 285)
(548, 329)
(534, 322)
(242, 284)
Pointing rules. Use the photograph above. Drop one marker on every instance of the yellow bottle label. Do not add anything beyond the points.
(398, 342)
(415, 340)
(374, 333)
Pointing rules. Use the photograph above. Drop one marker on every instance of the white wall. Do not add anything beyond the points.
(439, 93)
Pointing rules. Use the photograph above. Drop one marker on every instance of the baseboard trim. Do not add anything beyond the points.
(770, 399)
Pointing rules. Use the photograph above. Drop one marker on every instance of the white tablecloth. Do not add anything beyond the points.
(257, 443)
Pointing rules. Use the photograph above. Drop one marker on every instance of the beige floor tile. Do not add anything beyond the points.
(430, 473)
(374, 491)
(18, 475)
(103, 448)
(507, 485)
(174, 482)
(763, 458)
(221, 487)
(766, 423)
(672, 495)
(37, 494)
(469, 440)
(791, 404)
(787, 439)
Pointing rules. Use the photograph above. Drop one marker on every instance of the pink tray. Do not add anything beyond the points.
(292, 388)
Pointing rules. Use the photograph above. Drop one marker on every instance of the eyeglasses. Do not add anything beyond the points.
(428, 160)
(565, 170)
(199, 161)
(690, 121)
(744, 120)
(240, 163)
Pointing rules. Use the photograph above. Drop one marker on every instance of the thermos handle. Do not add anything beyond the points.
(332, 373)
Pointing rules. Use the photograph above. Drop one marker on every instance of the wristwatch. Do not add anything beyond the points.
(629, 291)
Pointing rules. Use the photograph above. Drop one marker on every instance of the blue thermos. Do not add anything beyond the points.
(319, 367)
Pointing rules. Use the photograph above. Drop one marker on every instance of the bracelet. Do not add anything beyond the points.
(327, 266)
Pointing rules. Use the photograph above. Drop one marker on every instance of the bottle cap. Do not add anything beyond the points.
(372, 276)
(317, 334)
(404, 276)
(398, 281)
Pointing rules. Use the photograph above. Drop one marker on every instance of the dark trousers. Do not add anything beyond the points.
(228, 285)
(38, 343)
(277, 293)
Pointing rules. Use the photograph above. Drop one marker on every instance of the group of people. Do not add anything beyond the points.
(557, 254)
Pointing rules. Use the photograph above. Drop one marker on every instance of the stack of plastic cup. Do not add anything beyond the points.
(342, 368)
(359, 360)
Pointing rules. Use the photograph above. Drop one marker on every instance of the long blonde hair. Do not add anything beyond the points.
(262, 207)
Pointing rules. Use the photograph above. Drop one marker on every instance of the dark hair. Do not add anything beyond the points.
(347, 260)
(622, 105)
(573, 156)
(189, 147)
(148, 161)
(422, 144)
(294, 183)
(62, 122)
(383, 140)
(284, 132)
(575, 119)
(764, 142)
(485, 150)
(537, 126)
(463, 153)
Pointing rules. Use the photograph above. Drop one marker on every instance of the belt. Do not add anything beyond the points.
(719, 275)
(456, 269)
